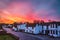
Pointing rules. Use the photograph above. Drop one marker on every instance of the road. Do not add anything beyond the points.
(25, 36)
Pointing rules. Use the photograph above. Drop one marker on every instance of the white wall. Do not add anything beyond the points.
(58, 28)
(21, 27)
(30, 29)
(44, 27)
(15, 29)
(26, 29)
(18, 26)
(40, 28)
(37, 29)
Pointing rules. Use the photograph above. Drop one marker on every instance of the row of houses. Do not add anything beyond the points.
(48, 28)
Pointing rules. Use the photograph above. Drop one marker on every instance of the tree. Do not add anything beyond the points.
(42, 21)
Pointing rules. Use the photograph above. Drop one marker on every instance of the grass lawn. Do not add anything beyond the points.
(6, 37)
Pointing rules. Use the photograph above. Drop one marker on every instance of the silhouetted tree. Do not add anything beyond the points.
(15, 24)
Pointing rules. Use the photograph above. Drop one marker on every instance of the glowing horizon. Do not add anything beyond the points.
(29, 10)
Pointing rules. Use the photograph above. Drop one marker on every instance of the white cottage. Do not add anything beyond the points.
(35, 29)
(58, 29)
(9, 26)
(14, 28)
(28, 29)
(44, 29)
(54, 29)
(21, 27)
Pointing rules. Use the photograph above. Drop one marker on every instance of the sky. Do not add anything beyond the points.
(29, 10)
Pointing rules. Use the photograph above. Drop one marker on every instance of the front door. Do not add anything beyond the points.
(47, 32)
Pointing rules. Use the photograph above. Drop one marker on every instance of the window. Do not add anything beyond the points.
(56, 32)
(51, 25)
(53, 32)
(56, 25)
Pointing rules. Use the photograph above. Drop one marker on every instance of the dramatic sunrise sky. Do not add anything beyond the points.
(29, 10)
